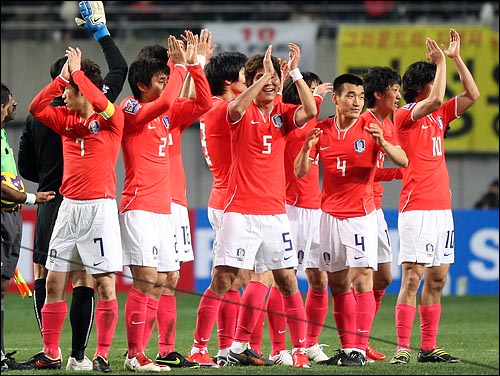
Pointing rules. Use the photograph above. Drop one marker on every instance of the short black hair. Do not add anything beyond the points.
(290, 92)
(346, 78)
(378, 80)
(221, 67)
(416, 76)
(57, 66)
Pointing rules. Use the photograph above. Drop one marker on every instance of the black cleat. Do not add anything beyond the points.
(175, 360)
(401, 357)
(355, 358)
(336, 360)
(437, 355)
(247, 358)
(100, 364)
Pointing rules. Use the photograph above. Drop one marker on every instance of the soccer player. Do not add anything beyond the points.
(382, 96)
(40, 160)
(225, 74)
(145, 207)
(425, 221)
(303, 206)
(255, 231)
(348, 148)
(86, 235)
(12, 223)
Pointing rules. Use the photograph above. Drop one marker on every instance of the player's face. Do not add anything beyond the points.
(389, 101)
(351, 101)
(158, 83)
(73, 99)
(240, 85)
(9, 110)
(270, 89)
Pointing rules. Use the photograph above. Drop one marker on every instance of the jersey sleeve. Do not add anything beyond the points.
(41, 109)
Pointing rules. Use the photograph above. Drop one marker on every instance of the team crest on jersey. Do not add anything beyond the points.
(166, 122)
(359, 145)
(277, 121)
(94, 127)
(440, 122)
(132, 106)
(240, 254)
(326, 258)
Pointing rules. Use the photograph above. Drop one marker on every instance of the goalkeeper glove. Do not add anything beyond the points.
(94, 18)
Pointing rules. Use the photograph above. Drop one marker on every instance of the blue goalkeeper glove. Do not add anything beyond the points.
(94, 18)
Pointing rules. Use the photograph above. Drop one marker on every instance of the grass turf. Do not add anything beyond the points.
(469, 330)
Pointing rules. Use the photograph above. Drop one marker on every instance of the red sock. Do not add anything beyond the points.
(227, 318)
(295, 318)
(405, 315)
(151, 313)
(252, 303)
(430, 317)
(378, 294)
(316, 310)
(276, 320)
(205, 320)
(53, 316)
(167, 322)
(135, 320)
(256, 338)
(365, 311)
(106, 318)
(344, 309)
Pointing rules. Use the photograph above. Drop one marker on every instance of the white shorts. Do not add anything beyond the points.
(86, 236)
(182, 232)
(384, 242)
(426, 237)
(305, 235)
(148, 240)
(255, 242)
(348, 243)
(215, 218)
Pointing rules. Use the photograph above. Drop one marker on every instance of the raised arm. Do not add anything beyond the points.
(471, 92)
(302, 161)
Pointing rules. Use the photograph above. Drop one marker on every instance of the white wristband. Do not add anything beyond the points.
(295, 74)
(30, 199)
(202, 60)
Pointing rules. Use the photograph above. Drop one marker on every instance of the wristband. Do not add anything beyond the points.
(202, 60)
(30, 199)
(295, 74)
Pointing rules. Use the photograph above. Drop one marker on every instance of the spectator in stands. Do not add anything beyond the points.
(489, 199)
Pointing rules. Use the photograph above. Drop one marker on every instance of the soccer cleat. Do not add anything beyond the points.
(141, 363)
(336, 360)
(100, 364)
(316, 353)
(203, 358)
(284, 358)
(372, 354)
(300, 358)
(354, 359)
(401, 356)
(221, 360)
(437, 355)
(79, 365)
(175, 360)
(8, 362)
(44, 362)
(247, 358)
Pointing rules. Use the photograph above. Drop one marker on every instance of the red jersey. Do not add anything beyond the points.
(183, 113)
(426, 183)
(216, 148)
(390, 135)
(304, 192)
(257, 177)
(90, 146)
(349, 162)
(145, 150)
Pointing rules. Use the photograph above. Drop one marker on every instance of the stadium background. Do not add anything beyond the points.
(335, 37)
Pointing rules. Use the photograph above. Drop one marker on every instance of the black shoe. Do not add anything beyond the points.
(100, 364)
(336, 360)
(41, 361)
(175, 360)
(401, 356)
(8, 362)
(355, 358)
(436, 356)
(221, 360)
(247, 358)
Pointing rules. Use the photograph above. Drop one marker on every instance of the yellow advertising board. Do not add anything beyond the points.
(398, 46)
